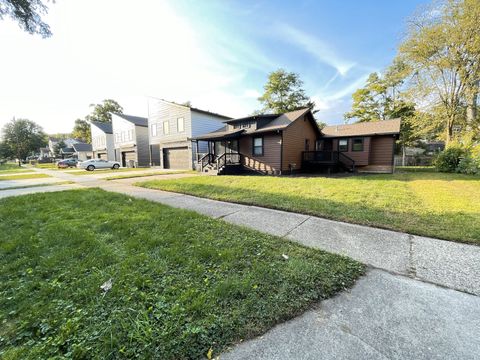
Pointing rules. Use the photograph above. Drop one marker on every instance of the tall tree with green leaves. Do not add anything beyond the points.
(442, 49)
(381, 98)
(284, 92)
(28, 14)
(22, 137)
(101, 113)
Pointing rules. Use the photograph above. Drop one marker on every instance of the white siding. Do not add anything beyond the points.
(196, 123)
(137, 141)
(160, 112)
(102, 142)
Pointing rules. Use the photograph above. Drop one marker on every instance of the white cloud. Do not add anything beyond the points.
(318, 48)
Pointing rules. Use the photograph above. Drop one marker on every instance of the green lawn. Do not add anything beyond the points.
(183, 283)
(12, 168)
(446, 206)
(24, 176)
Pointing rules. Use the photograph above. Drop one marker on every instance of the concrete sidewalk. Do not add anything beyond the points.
(444, 263)
(386, 315)
(382, 317)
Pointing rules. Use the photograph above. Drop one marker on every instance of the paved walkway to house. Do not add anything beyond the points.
(407, 307)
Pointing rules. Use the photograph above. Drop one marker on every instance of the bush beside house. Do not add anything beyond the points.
(459, 158)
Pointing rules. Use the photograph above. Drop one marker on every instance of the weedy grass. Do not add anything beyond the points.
(445, 206)
(24, 176)
(12, 168)
(183, 284)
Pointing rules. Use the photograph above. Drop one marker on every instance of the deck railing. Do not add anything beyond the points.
(326, 157)
(228, 159)
(205, 160)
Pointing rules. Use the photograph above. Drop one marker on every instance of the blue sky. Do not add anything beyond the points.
(217, 54)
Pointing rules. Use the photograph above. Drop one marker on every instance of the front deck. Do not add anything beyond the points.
(326, 160)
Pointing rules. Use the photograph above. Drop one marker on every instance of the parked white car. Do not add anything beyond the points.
(93, 164)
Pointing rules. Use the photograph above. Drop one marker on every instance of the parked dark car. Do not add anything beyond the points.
(62, 164)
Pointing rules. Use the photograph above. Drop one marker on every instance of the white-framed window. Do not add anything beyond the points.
(130, 135)
(180, 124)
(166, 128)
(153, 129)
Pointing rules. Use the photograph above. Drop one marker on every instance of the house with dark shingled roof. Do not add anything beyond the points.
(293, 142)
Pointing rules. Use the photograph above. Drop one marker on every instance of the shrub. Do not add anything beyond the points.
(469, 165)
(448, 160)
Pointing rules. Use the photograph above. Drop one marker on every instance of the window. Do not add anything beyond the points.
(258, 146)
(130, 135)
(357, 144)
(343, 145)
(307, 144)
(181, 124)
(166, 128)
(153, 129)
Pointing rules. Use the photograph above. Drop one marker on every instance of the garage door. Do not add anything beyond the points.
(176, 158)
(129, 158)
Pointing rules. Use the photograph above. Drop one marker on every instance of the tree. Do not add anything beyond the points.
(81, 131)
(382, 98)
(22, 137)
(58, 147)
(442, 49)
(284, 92)
(101, 113)
(28, 14)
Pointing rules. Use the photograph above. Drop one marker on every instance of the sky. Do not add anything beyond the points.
(215, 53)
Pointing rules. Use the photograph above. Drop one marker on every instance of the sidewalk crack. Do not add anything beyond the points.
(296, 227)
(224, 216)
(412, 271)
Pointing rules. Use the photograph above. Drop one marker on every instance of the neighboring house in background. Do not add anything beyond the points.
(83, 151)
(290, 142)
(44, 152)
(171, 126)
(102, 140)
(130, 138)
(79, 150)
(52, 142)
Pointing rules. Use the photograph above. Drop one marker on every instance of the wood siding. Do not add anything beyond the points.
(294, 142)
(361, 158)
(269, 163)
(381, 150)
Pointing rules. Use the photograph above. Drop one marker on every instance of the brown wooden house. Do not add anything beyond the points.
(293, 142)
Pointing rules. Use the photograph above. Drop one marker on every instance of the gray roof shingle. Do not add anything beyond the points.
(106, 127)
(137, 120)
